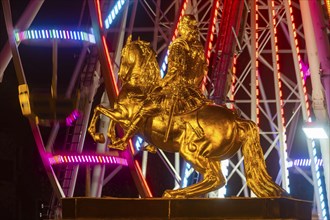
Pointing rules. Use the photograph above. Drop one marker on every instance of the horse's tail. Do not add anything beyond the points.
(257, 176)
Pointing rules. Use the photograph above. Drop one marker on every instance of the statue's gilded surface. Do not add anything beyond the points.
(173, 114)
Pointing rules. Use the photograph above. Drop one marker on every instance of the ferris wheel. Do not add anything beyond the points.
(257, 55)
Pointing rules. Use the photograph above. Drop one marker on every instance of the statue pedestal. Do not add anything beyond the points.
(199, 208)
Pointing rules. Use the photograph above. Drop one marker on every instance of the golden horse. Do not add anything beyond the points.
(224, 132)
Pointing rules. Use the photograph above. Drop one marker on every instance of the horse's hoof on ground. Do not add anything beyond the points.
(167, 195)
(99, 138)
(173, 194)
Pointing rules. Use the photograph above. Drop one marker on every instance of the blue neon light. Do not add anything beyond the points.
(319, 183)
(113, 13)
(138, 143)
(78, 35)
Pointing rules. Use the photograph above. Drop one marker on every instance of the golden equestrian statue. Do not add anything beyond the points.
(172, 114)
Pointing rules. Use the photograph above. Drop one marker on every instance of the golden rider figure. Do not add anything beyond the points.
(180, 90)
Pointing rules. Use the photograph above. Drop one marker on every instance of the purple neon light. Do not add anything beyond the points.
(82, 158)
(75, 114)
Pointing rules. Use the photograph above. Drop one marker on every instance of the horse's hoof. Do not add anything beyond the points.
(99, 138)
(173, 194)
(117, 146)
(167, 194)
(150, 148)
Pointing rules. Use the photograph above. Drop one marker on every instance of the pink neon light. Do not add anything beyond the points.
(96, 159)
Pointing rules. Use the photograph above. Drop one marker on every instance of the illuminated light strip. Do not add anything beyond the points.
(287, 181)
(211, 31)
(163, 67)
(299, 60)
(233, 80)
(105, 48)
(187, 172)
(210, 36)
(75, 114)
(86, 158)
(114, 83)
(257, 64)
(113, 78)
(306, 162)
(224, 167)
(113, 13)
(99, 14)
(44, 34)
(138, 143)
(319, 183)
(142, 178)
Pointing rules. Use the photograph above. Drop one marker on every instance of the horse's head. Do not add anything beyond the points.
(138, 65)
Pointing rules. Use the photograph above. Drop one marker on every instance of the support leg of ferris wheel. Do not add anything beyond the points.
(313, 34)
(305, 111)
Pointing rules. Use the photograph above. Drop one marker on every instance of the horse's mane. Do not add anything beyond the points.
(149, 65)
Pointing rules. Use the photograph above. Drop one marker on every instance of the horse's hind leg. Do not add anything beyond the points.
(212, 179)
(258, 178)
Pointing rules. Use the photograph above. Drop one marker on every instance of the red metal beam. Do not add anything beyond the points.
(112, 90)
(226, 44)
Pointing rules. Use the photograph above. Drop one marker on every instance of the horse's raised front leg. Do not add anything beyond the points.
(115, 143)
(98, 137)
(111, 113)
